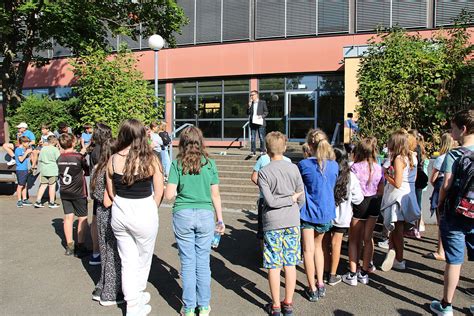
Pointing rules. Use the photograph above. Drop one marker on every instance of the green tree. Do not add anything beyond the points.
(409, 81)
(36, 110)
(27, 26)
(111, 89)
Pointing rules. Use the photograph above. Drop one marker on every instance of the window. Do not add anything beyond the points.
(213, 104)
(185, 87)
(185, 107)
(210, 106)
(233, 129)
(235, 105)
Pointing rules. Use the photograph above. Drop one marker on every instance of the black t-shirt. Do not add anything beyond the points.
(72, 170)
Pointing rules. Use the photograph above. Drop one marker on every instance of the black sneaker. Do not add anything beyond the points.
(326, 277)
(53, 205)
(321, 291)
(312, 296)
(287, 309)
(38, 204)
(96, 294)
(27, 203)
(271, 310)
(334, 279)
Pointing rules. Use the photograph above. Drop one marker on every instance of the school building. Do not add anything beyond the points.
(301, 55)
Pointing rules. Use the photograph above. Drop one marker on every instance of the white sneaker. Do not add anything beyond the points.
(145, 298)
(111, 303)
(399, 265)
(138, 310)
(11, 162)
(383, 244)
(362, 279)
(348, 279)
(388, 262)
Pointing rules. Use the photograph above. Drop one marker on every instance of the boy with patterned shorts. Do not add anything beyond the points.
(283, 191)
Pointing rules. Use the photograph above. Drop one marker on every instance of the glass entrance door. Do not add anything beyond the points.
(301, 114)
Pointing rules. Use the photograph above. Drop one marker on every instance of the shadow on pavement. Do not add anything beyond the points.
(339, 312)
(165, 279)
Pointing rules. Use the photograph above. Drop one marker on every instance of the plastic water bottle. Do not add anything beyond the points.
(217, 235)
(216, 240)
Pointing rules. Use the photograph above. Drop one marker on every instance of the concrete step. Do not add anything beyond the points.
(237, 189)
(246, 197)
(235, 181)
(235, 167)
(239, 205)
(235, 162)
(235, 174)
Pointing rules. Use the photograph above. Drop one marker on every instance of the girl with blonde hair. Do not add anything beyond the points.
(437, 179)
(399, 204)
(365, 215)
(193, 179)
(319, 173)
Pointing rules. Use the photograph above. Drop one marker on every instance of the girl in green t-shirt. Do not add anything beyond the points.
(193, 180)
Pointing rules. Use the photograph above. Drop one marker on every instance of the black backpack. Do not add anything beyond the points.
(460, 197)
(165, 137)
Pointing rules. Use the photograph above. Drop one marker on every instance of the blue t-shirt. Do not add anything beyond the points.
(29, 134)
(20, 151)
(320, 207)
(86, 137)
(262, 162)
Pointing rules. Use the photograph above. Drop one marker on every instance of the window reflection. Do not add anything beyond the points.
(185, 106)
(210, 106)
(235, 105)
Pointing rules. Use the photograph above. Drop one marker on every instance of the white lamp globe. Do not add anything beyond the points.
(156, 42)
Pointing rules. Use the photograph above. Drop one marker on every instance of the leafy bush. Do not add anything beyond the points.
(409, 81)
(35, 111)
(112, 89)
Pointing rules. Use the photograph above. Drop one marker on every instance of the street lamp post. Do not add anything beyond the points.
(156, 42)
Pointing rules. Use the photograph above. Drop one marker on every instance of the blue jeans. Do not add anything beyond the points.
(165, 161)
(457, 233)
(194, 230)
(253, 135)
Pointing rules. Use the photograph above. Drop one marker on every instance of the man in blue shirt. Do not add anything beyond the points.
(22, 131)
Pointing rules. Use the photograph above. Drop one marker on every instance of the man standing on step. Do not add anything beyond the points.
(257, 112)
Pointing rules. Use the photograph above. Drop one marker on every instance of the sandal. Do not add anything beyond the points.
(434, 256)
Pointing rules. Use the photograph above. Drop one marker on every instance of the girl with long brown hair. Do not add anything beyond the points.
(135, 185)
(194, 181)
(369, 174)
(319, 174)
(399, 204)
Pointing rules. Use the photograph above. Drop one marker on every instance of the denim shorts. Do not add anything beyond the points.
(319, 228)
(457, 233)
(281, 248)
(22, 177)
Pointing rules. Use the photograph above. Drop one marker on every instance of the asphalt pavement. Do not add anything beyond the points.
(37, 279)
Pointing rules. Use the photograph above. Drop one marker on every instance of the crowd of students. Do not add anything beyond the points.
(304, 210)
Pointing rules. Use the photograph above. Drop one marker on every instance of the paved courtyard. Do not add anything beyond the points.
(37, 279)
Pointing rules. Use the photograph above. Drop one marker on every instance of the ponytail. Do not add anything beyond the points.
(320, 147)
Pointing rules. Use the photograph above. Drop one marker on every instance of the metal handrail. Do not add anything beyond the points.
(173, 135)
(245, 134)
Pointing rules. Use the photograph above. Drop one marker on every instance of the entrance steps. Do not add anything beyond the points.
(235, 167)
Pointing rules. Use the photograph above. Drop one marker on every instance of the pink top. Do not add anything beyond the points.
(361, 170)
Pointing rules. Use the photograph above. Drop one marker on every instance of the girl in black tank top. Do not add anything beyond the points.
(135, 183)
